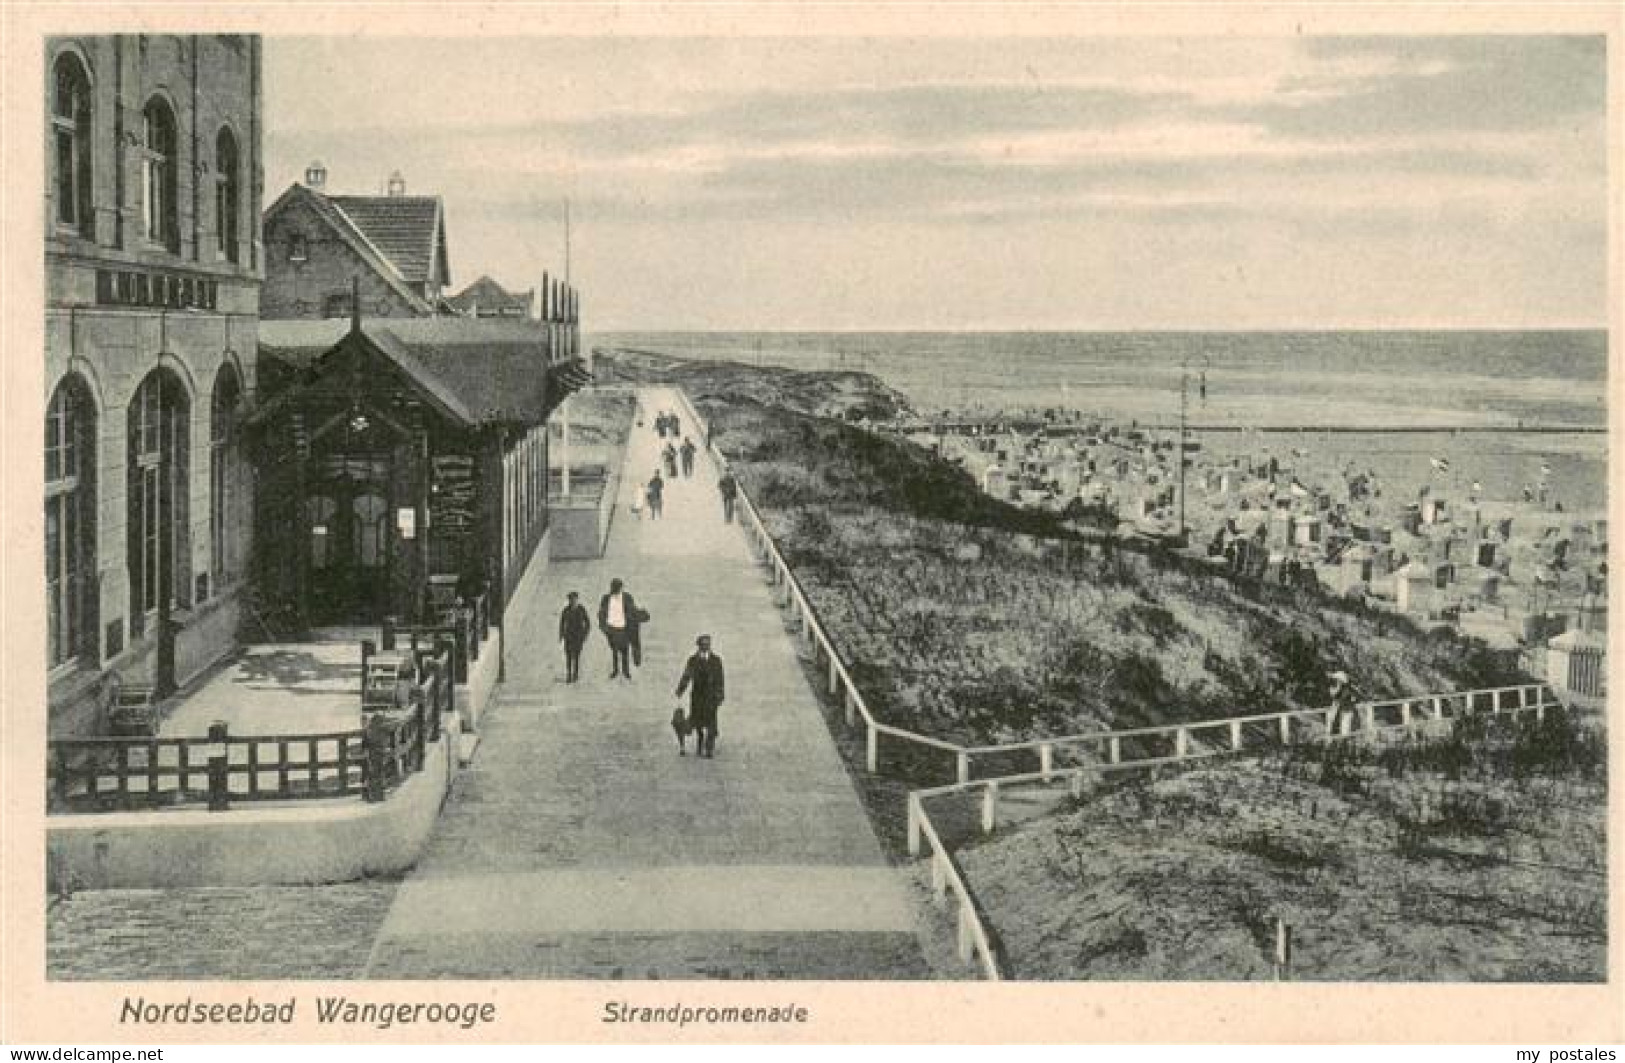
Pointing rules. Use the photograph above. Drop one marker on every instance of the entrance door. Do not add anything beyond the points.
(347, 528)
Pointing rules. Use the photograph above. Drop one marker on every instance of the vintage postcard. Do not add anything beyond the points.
(928, 522)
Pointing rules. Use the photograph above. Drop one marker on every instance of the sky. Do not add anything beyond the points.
(991, 183)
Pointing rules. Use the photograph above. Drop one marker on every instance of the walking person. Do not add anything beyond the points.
(688, 457)
(574, 627)
(619, 619)
(1345, 714)
(702, 677)
(655, 492)
(669, 456)
(728, 487)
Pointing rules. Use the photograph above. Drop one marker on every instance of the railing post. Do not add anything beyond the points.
(1405, 714)
(914, 812)
(872, 752)
(1182, 743)
(375, 755)
(1368, 717)
(1438, 707)
(962, 767)
(990, 807)
(849, 705)
(1046, 760)
(1235, 735)
(1495, 700)
(1115, 749)
(1286, 730)
(219, 784)
(834, 676)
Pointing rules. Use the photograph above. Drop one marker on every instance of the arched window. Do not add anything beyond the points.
(227, 194)
(226, 479)
(159, 205)
(157, 495)
(70, 125)
(70, 523)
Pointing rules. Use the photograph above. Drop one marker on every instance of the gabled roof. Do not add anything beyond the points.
(359, 242)
(476, 370)
(487, 294)
(409, 230)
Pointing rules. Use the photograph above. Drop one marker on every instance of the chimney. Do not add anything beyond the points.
(316, 176)
(397, 184)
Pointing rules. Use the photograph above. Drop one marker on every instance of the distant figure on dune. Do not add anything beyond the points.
(1345, 714)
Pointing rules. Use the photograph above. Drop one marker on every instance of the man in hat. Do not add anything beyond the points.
(703, 673)
(619, 619)
(574, 627)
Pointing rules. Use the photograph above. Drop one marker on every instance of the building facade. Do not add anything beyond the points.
(153, 264)
(322, 250)
(400, 455)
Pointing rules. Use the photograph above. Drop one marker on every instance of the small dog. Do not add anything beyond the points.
(680, 724)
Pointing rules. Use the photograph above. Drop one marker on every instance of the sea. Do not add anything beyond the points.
(1550, 379)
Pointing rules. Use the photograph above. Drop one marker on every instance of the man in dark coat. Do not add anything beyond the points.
(687, 453)
(619, 619)
(703, 673)
(728, 487)
(574, 627)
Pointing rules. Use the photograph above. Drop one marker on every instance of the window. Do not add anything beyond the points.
(298, 250)
(226, 479)
(336, 305)
(70, 126)
(157, 467)
(159, 172)
(227, 194)
(70, 516)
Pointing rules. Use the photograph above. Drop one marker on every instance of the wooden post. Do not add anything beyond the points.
(872, 752)
(1368, 712)
(1495, 700)
(914, 812)
(963, 767)
(834, 676)
(1235, 735)
(1115, 754)
(1286, 730)
(990, 807)
(1405, 713)
(1438, 707)
(219, 785)
(1046, 760)
(1283, 951)
(850, 707)
(1182, 742)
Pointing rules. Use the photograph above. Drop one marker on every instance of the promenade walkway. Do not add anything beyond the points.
(580, 845)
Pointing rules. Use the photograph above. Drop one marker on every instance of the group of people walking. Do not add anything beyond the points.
(621, 620)
(672, 457)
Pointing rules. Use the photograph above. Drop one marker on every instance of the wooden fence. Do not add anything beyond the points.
(220, 769)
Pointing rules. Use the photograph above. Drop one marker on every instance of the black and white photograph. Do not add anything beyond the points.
(816, 507)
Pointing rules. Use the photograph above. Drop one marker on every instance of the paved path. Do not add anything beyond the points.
(579, 844)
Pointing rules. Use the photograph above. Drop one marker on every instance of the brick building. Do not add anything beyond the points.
(152, 270)
(318, 247)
